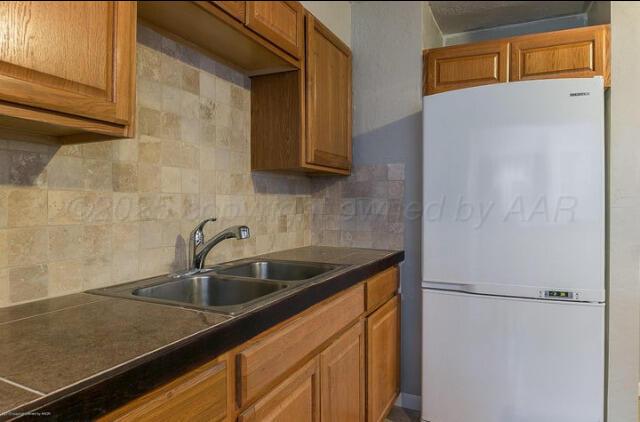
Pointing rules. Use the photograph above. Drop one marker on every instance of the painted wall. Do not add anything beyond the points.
(387, 41)
(624, 214)
(335, 15)
(431, 34)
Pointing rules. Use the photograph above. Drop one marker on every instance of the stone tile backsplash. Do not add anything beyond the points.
(76, 217)
(363, 210)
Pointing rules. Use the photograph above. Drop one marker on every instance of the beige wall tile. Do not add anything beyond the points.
(148, 64)
(27, 207)
(4, 207)
(125, 177)
(63, 172)
(126, 236)
(28, 283)
(125, 266)
(97, 175)
(96, 272)
(97, 150)
(96, 240)
(65, 243)
(149, 150)
(65, 277)
(125, 150)
(66, 207)
(170, 177)
(27, 246)
(4, 249)
(148, 180)
(27, 168)
(4, 287)
(126, 207)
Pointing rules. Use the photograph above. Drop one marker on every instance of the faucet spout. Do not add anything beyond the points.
(199, 255)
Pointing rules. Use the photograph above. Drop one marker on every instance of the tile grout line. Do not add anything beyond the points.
(15, 384)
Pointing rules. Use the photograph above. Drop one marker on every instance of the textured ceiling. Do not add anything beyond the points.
(461, 16)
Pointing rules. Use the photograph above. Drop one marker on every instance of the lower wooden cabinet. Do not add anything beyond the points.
(342, 374)
(297, 398)
(383, 359)
(334, 362)
(200, 395)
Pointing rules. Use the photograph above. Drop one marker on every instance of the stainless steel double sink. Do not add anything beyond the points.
(229, 288)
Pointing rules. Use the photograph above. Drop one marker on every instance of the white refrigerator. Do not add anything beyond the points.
(513, 253)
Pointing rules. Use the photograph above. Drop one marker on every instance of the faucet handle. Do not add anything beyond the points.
(197, 234)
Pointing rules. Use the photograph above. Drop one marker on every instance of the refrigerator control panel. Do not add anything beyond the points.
(559, 294)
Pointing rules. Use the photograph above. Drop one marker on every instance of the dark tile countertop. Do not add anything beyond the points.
(79, 356)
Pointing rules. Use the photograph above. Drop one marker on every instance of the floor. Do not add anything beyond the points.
(400, 414)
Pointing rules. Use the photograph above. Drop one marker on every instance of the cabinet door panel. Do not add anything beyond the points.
(236, 9)
(383, 359)
(342, 371)
(297, 398)
(328, 140)
(464, 66)
(281, 22)
(72, 57)
(574, 53)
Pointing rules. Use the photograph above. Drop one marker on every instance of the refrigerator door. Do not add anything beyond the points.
(514, 188)
(494, 359)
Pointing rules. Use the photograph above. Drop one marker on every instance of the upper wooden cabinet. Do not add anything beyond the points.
(69, 65)
(571, 53)
(281, 22)
(237, 9)
(463, 66)
(581, 52)
(328, 141)
(220, 29)
(301, 121)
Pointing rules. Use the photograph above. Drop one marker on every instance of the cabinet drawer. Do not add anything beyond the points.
(198, 395)
(573, 53)
(262, 363)
(381, 287)
(281, 22)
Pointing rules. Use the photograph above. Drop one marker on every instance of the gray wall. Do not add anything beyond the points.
(624, 214)
(543, 25)
(387, 43)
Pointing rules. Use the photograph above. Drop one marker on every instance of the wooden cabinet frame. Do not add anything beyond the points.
(572, 53)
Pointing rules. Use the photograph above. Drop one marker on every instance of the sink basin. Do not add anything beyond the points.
(229, 288)
(277, 270)
(211, 292)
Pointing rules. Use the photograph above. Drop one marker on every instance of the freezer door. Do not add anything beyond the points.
(514, 186)
(493, 359)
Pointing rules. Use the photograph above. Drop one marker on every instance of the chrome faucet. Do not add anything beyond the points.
(199, 249)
